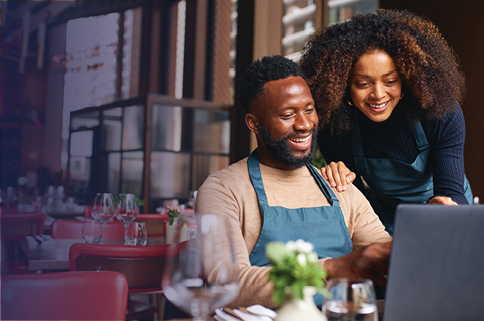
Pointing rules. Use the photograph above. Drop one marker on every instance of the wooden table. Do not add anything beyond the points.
(56, 257)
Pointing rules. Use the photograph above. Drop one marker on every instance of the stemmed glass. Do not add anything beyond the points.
(126, 212)
(103, 209)
(351, 300)
(201, 274)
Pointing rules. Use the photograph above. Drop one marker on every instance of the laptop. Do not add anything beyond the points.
(437, 264)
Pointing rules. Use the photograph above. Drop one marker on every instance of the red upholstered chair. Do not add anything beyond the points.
(142, 265)
(65, 296)
(155, 223)
(70, 229)
(16, 227)
(88, 212)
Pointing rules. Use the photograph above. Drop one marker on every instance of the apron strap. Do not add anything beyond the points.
(419, 135)
(256, 177)
(332, 199)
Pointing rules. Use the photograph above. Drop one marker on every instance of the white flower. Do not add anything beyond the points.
(301, 259)
(291, 246)
(304, 247)
(312, 257)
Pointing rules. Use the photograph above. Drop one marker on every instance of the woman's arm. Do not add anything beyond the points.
(447, 157)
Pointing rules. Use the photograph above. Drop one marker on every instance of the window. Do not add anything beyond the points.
(97, 64)
(298, 23)
(340, 10)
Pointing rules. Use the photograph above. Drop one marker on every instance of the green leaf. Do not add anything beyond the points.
(297, 289)
(279, 294)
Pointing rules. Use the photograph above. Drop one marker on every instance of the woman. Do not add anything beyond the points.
(387, 87)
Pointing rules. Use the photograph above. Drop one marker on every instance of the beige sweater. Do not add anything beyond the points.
(229, 192)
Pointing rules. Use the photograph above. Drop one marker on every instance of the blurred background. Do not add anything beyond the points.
(138, 96)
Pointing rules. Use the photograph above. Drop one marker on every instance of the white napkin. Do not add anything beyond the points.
(261, 310)
(258, 313)
(45, 239)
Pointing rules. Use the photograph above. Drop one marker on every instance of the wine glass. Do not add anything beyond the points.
(126, 212)
(201, 274)
(103, 209)
(351, 300)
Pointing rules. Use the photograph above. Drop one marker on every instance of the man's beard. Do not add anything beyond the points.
(280, 151)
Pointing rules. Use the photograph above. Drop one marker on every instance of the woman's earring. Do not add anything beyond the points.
(401, 96)
(349, 103)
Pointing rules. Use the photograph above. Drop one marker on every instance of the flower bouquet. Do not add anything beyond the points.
(297, 276)
(173, 212)
(294, 266)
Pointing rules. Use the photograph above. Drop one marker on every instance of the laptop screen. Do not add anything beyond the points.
(437, 264)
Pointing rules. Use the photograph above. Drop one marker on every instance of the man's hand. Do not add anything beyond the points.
(369, 262)
(443, 200)
(338, 175)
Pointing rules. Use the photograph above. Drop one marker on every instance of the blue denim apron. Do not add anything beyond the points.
(392, 181)
(323, 226)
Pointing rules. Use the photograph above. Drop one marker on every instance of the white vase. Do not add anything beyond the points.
(171, 231)
(297, 309)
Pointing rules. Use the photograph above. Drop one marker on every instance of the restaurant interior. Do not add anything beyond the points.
(138, 97)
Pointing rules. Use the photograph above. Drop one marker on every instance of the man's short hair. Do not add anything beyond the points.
(262, 71)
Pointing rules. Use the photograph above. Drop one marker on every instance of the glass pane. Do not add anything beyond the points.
(166, 127)
(171, 175)
(343, 10)
(127, 53)
(204, 165)
(87, 120)
(133, 129)
(211, 131)
(113, 172)
(81, 143)
(80, 168)
(132, 172)
(112, 122)
(298, 23)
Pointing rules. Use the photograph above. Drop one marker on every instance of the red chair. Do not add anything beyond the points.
(142, 265)
(155, 223)
(88, 212)
(18, 226)
(70, 229)
(65, 296)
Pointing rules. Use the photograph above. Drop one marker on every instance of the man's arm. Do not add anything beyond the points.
(217, 198)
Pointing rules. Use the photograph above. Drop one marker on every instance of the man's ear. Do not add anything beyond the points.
(252, 122)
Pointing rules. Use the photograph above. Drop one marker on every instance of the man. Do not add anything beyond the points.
(273, 195)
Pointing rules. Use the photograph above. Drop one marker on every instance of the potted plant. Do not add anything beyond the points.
(297, 276)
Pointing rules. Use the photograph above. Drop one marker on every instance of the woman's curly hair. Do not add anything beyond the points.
(432, 79)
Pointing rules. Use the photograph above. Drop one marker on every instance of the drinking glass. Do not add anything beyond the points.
(103, 209)
(136, 234)
(9, 197)
(351, 300)
(126, 211)
(92, 231)
(201, 274)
